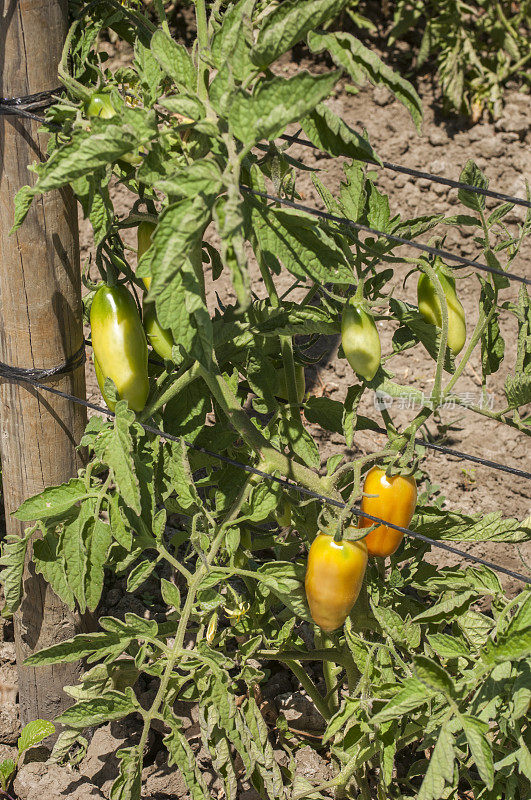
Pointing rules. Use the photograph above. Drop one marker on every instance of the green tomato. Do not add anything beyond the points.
(119, 344)
(360, 340)
(281, 387)
(100, 105)
(430, 308)
(143, 237)
(160, 339)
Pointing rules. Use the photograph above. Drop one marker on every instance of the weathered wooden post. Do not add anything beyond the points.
(40, 327)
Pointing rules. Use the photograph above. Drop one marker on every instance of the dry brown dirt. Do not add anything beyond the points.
(502, 151)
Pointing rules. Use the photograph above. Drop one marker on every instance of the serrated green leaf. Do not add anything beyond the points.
(115, 448)
(411, 696)
(448, 647)
(480, 749)
(52, 502)
(139, 574)
(96, 711)
(13, 557)
(472, 175)
(288, 24)
(174, 60)
(330, 133)
(128, 784)
(181, 754)
(458, 527)
(276, 103)
(302, 246)
(202, 176)
(445, 607)
(174, 288)
(50, 564)
(285, 580)
(403, 632)
(432, 675)
(85, 152)
(34, 733)
(440, 767)
(170, 594)
(518, 389)
(325, 412)
(81, 646)
(360, 62)
(97, 543)
(7, 770)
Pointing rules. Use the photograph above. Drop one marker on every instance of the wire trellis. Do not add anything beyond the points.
(281, 481)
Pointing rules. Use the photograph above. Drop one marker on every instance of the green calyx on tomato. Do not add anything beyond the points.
(119, 344)
(281, 387)
(360, 340)
(392, 499)
(334, 575)
(430, 308)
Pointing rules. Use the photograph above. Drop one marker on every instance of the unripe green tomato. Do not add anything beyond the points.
(281, 387)
(360, 340)
(119, 344)
(143, 237)
(430, 308)
(160, 339)
(100, 105)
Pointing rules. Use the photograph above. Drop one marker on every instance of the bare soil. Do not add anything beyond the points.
(502, 151)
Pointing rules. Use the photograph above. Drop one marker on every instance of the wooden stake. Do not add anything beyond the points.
(40, 327)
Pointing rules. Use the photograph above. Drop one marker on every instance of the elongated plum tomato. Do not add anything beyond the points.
(360, 340)
(119, 344)
(281, 388)
(160, 339)
(334, 575)
(144, 233)
(395, 500)
(430, 308)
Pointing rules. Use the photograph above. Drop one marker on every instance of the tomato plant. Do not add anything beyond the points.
(425, 672)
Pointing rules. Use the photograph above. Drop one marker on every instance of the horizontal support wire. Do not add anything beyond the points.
(440, 448)
(425, 248)
(16, 106)
(282, 482)
(417, 173)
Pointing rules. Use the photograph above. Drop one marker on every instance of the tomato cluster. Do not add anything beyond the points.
(335, 570)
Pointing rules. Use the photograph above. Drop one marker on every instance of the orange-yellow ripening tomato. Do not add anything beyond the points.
(334, 575)
(395, 501)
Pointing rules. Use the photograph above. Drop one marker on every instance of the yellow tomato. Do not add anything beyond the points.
(334, 576)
